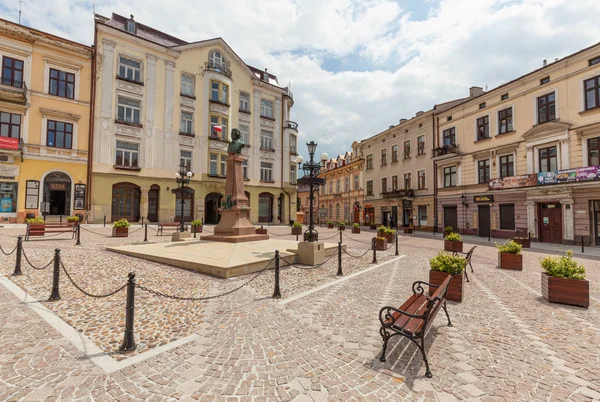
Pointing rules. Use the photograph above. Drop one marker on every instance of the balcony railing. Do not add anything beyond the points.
(291, 124)
(398, 193)
(209, 66)
(446, 150)
(14, 89)
(289, 93)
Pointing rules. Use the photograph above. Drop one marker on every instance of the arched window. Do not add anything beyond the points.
(217, 59)
(126, 202)
(130, 25)
(265, 207)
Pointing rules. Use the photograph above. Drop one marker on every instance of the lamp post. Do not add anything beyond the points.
(311, 171)
(463, 199)
(183, 178)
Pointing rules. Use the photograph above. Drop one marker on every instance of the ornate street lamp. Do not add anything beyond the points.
(311, 171)
(183, 178)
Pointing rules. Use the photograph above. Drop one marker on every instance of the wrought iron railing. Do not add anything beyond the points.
(291, 124)
(14, 86)
(398, 193)
(446, 150)
(220, 68)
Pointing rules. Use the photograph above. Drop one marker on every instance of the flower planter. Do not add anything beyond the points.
(198, 229)
(453, 245)
(120, 232)
(381, 233)
(381, 244)
(296, 231)
(342, 228)
(566, 291)
(356, 230)
(37, 229)
(307, 235)
(408, 230)
(390, 238)
(455, 288)
(261, 231)
(524, 242)
(511, 261)
(329, 226)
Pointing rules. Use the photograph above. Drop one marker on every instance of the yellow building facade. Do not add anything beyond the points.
(44, 124)
(161, 102)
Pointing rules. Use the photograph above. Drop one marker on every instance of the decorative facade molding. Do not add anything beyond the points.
(217, 108)
(128, 131)
(131, 87)
(187, 102)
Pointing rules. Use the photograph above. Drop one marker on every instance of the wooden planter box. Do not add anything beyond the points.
(381, 244)
(342, 228)
(356, 230)
(198, 229)
(511, 261)
(391, 238)
(455, 288)
(525, 243)
(261, 231)
(120, 232)
(453, 245)
(566, 291)
(330, 226)
(408, 230)
(381, 234)
(296, 231)
(37, 229)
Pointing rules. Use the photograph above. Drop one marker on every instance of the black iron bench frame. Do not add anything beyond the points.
(468, 255)
(170, 225)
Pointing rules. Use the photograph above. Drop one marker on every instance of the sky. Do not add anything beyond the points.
(355, 66)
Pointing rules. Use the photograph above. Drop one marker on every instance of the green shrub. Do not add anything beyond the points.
(121, 223)
(510, 247)
(196, 222)
(563, 267)
(330, 222)
(356, 225)
(382, 228)
(297, 225)
(446, 262)
(35, 220)
(453, 237)
(341, 223)
(448, 230)
(73, 218)
(389, 231)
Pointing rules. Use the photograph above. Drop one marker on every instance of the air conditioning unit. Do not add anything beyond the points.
(7, 158)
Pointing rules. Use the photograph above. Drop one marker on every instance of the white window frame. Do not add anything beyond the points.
(131, 69)
(293, 173)
(53, 115)
(404, 180)
(266, 140)
(266, 171)
(424, 144)
(130, 151)
(489, 127)
(244, 102)
(186, 160)
(186, 125)
(219, 164)
(293, 144)
(535, 105)
(245, 169)
(220, 121)
(266, 108)
(477, 169)
(49, 64)
(245, 132)
(188, 89)
(425, 181)
(367, 189)
(499, 167)
(215, 61)
(126, 107)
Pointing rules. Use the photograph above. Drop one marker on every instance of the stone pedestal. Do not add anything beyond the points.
(311, 253)
(180, 236)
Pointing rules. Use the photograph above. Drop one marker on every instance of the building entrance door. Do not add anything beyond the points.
(596, 205)
(153, 203)
(550, 223)
(57, 192)
(483, 212)
(451, 218)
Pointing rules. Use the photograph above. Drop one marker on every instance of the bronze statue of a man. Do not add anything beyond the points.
(236, 144)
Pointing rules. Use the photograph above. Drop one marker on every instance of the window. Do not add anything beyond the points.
(407, 181)
(346, 184)
(12, 72)
(185, 159)
(593, 151)
(507, 217)
(422, 215)
(370, 161)
(187, 123)
(384, 188)
(337, 212)
(219, 92)
(592, 93)
(406, 149)
(62, 84)
(244, 102)
(216, 59)
(394, 153)
(245, 169)
(59, 134)
(504, 97)
(187, 85)
(10, 125)
(266, 109)
(505, 121)
(330, 187)
(369, 187)
(449, 136)
(218, 127)
(130, 70)
(383, 156)
(594, 61)
(482, 105)
(266, 140)
(356, 184)
(293, 173)
(127, 155)
(8, 194)
(422, 185)
(483, 170)
(266, 171)
(548, 160)
(507, 167)
(217, 165)
(293, 144)
(546, 108)
(128, 110)
(483, 128)
(245, 131)
(394, 182)
(420, 145)
(450, 176)
(544, 80)
(449, 118)
(130, 26)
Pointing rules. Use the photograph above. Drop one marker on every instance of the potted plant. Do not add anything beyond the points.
(381, 231)
(453, 242)
(261, 230)
(445, 264)
(73, 219)
(448, 230)
(297, 228)
(329, 224)
(356, 228)
(372, 226)
(121, 228)
(563, 281)
(342, 225)
(509, 255)
(197, 225)
(36, 226)
(390, 234)
(525, 242)
(381, 243)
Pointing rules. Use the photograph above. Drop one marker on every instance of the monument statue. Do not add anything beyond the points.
(236, 144)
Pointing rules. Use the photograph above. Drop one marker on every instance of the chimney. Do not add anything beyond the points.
(475, 91)
(420, 112)
(403, 120)
(545, 63)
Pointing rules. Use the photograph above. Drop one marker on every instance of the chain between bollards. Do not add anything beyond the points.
(128, 340)
(146, 232)
(339, 272)
(78, 235)
(374, 245)
(276, 291)
(55, 295)
(17, 270)
(397, 253)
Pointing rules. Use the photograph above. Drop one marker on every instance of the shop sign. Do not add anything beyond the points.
(32, 192)
(57, 186)
(483, 198)
(9, 170)
(527, 180)
(589, 173)
(79, 202)
(9, 143)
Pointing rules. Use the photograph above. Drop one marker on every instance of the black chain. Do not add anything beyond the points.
(5, 253)
(157, 293)
(309, 267)
(87, 293)
(11, 236)
(327, 238)
(280, 235)
(357, 256)
(152, 228)
(96, 233)
(137, 230)
(33, 266)
(356, 240)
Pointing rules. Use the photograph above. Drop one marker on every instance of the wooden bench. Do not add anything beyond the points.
(468, 256)
(170, 225)
(413, 318)
(39, 229)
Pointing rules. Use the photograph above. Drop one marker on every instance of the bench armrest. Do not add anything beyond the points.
(418, 289)
(387, 319)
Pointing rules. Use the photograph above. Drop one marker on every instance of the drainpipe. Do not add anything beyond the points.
(282, 172)
(91, 125)
(436, 133)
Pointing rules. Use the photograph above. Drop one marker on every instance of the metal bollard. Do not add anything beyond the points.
(582, 249)
(78, 235)
(194, 227)
(17, 270)
(374, 251)
(397, 253)
(128, 340)
(104, 220)
(142, 221)
(146, 232)
(55, 295)
(339, 272)
(341, 236)
(297, 236)
(276, 291)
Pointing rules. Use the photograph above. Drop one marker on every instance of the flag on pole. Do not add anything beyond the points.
(218, 128)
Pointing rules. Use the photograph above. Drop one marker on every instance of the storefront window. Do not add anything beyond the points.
(8, 197)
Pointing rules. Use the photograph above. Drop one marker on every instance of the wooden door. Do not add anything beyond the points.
(551, 223)
(484, 220)
(451, 218)
(153, 205)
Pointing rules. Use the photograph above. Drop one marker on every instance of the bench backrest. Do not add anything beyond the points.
(436, 301)
(470, 253)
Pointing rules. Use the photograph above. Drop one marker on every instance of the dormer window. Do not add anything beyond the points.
(130, 25)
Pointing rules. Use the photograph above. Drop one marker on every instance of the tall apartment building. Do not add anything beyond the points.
(161, 102)
(524, 157)
(341, 197)
(44, 123)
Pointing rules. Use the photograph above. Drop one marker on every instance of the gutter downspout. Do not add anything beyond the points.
(282, 172)
(436, 135)
(91, 125)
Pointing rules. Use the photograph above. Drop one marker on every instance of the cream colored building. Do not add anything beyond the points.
(523, 157)
(159, 103)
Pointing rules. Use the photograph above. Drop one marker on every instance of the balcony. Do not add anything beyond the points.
(398, 193)
(446, 151)
(13, 91)
(291, 124)
(289, 93)
(210, 66)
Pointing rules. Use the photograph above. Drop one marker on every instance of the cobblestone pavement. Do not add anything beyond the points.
(507, 343)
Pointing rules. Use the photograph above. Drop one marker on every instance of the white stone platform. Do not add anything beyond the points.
(220, 259)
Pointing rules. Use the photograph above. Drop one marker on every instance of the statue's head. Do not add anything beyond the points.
(235, 134)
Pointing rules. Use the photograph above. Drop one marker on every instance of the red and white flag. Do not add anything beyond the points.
(218, 128)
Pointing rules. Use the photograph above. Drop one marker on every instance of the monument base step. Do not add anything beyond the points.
(236, 239)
